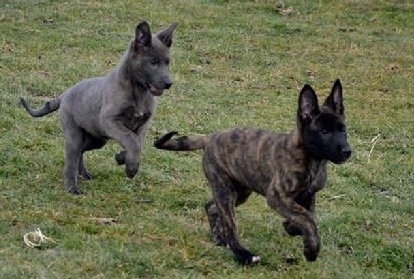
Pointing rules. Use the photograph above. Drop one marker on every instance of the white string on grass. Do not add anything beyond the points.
(36, 238)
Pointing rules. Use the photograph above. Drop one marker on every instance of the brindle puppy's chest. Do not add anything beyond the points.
(133, 118)
(302, 184)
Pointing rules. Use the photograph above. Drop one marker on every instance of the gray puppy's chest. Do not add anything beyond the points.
(137, 110)
(134, 117)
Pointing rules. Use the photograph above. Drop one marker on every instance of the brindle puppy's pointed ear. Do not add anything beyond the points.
(165, 36)
(335, 101)
(308, 104)
(142, 36)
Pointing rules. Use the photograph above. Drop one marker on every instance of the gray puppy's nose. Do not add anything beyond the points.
(167, 85)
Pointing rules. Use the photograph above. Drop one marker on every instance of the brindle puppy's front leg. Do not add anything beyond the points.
(128, 140)
(307, 200)
(300, 217)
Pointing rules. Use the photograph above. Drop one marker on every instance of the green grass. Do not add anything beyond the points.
(235, 63)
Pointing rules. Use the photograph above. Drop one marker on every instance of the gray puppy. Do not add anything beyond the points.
(117, 106)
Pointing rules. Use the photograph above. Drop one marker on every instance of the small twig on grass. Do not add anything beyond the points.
(336, 197)
(373, 142)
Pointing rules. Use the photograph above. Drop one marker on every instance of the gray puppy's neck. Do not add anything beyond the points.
(125, 76)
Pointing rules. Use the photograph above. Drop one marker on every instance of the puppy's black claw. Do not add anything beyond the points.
(75, 191)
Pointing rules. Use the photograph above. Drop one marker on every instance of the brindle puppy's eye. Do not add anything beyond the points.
(342, 129)
(324, 132)
(167, 62)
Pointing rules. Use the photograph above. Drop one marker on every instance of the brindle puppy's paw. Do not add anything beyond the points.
(218, 241)
(291, 229)
(310, 255)
(120, 157)
(245, 257)
(311, 250)
(74, 190)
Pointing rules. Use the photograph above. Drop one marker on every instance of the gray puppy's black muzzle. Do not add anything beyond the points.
(167, 85)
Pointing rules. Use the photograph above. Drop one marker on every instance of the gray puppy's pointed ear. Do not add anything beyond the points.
(142, 35)
(165, 36)
(335, 100)
(308, 106)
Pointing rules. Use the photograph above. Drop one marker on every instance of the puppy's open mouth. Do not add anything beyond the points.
(154, 90)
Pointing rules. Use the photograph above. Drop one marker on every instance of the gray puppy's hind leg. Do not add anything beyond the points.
(83, 172)
(74, 143)
(72, 157)
(89, 143)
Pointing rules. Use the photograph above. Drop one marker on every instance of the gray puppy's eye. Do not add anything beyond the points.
(155, 61)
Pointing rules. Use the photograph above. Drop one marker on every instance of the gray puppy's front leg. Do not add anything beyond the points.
(141, 132)
(128, 140)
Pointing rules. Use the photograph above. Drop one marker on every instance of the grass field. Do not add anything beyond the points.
(234, 63)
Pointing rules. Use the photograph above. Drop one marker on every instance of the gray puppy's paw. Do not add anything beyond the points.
(74, 190)
(120, 157)
(131, 171)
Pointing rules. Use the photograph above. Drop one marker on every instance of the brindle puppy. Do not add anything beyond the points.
(288, 169)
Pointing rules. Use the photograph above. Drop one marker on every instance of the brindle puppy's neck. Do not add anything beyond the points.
(316, 175)
(313, 172)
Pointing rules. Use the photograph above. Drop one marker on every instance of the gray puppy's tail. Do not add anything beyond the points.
(47, 108)
(182, 143)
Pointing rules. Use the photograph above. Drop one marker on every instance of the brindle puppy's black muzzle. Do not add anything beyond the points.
(344, 153)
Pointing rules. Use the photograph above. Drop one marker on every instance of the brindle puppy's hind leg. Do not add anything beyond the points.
(215, 223)
(221, 212)
(213, 215)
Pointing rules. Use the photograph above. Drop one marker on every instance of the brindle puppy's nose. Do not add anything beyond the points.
(346, 152)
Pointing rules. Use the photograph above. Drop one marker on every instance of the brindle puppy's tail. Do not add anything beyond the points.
(47, 108)
(182, 143)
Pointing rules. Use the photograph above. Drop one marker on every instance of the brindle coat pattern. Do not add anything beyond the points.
(117, 106)
(288, 169)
